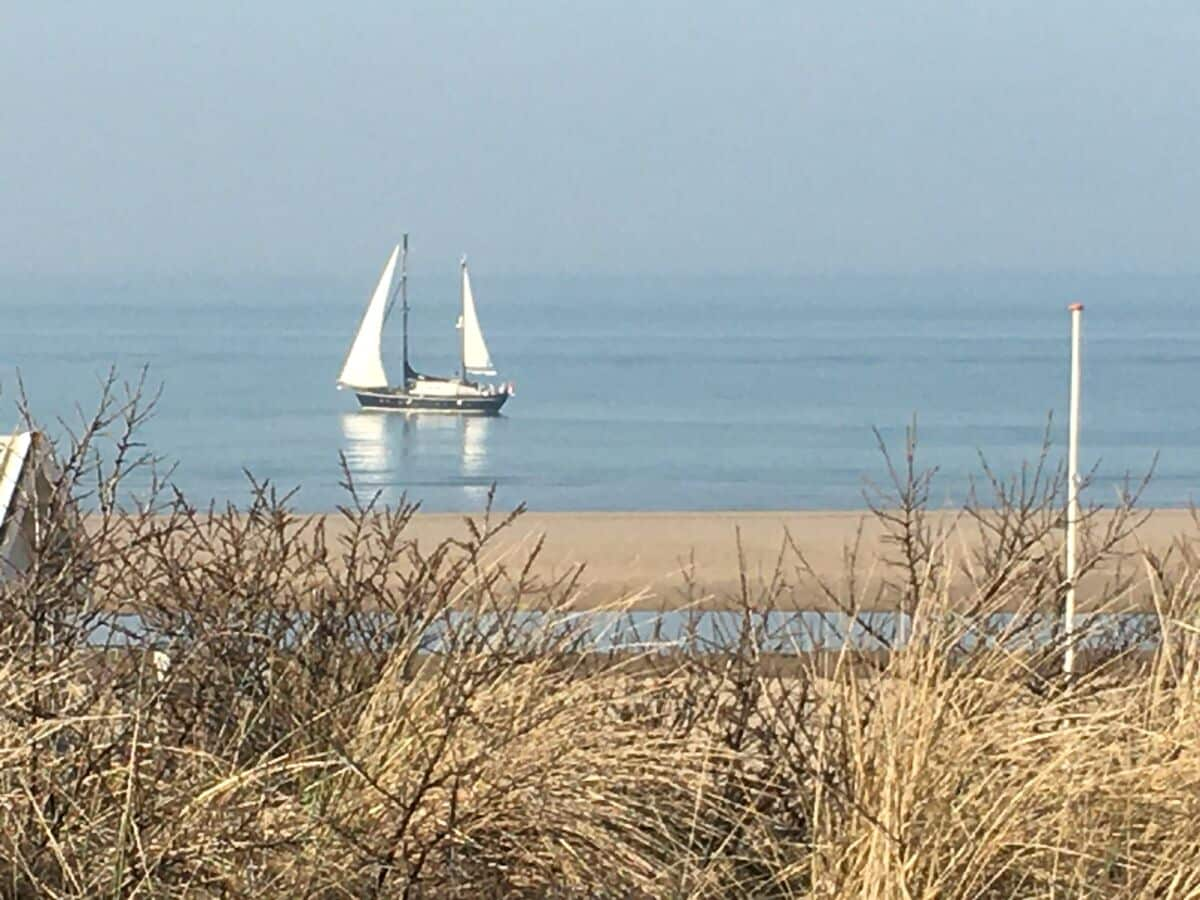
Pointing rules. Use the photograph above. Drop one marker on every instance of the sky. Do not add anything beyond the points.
(610, 137)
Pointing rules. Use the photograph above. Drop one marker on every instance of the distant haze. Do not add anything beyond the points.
(661, 137)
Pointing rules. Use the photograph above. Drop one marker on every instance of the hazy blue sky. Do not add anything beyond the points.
(297, 136)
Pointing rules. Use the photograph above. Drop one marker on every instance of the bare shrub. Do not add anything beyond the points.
(249, 702)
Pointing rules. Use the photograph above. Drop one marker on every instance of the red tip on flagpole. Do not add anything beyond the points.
(1075, 307)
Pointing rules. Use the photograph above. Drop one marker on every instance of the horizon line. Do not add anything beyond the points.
(592, 272)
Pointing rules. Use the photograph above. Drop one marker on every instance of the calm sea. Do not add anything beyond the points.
(632, 393)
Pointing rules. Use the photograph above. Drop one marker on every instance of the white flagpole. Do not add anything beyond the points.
(1076, 310)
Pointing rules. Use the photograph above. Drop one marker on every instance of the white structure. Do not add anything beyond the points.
(23, 483)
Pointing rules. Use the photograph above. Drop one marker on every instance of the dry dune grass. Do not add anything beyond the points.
(291, 717)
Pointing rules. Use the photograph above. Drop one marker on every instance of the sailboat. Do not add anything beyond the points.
(363, 370)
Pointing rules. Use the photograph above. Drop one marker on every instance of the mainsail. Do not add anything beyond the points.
(364, 363)
(476, 359)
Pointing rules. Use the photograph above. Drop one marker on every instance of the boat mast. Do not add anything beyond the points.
(404, 301)
(462, 317)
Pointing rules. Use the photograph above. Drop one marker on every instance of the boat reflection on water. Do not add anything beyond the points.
(477, 480)
(365, 443)
(440, 460)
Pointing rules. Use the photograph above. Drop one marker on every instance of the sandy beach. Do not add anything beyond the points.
(653, 555)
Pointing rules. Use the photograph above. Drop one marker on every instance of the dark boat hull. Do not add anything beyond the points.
(484, 405)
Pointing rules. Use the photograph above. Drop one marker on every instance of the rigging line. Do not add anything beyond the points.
(395, 291)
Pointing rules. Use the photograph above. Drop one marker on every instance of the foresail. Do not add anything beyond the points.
(476, 358)
(364, 363)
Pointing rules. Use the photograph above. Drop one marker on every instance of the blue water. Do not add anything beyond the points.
(771, 631)
(632, 393)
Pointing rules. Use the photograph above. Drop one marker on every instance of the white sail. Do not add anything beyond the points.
(364, 363)
(476, 359)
